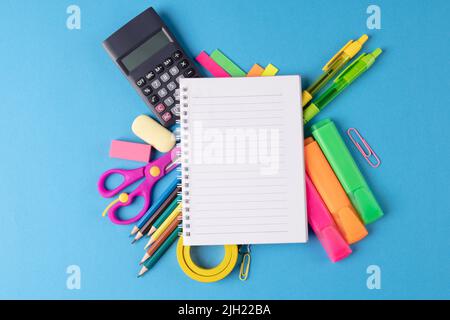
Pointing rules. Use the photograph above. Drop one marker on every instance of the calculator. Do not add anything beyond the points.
(153, 61)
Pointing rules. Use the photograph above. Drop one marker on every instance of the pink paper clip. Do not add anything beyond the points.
(370, 156)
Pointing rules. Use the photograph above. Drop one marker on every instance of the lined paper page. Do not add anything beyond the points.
(242, 153)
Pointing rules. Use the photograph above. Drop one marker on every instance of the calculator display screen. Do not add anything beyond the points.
(145, 50)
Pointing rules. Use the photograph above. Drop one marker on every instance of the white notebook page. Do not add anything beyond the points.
(242, 161)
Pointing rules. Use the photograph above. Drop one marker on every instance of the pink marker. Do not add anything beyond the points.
(322, 223)
(209, 64)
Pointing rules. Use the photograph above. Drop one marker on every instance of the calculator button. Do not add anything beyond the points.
(177, 55)
(162, 92)
(168, 62)
(189, 73)
(159, 68)
(178, 78)
(140, 82)
(160, 108)
(153, 99)
(147, 90)
(169, 101)
(156, 84)
(166, 116)
(165, 77)
(183, 64)
(174, 70)
(150, 75)
(176, 110)
(171, 86)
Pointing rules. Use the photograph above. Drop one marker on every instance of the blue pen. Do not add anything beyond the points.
(172, 186)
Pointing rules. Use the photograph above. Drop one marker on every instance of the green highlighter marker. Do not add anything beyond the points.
(345, 168)
(342, 81)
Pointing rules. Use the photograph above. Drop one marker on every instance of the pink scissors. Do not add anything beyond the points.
(152, 172)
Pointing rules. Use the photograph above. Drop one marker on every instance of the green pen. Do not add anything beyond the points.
(342, 81)
(345, 168)
(333, 66)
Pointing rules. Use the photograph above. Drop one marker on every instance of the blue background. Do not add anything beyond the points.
(63, 101)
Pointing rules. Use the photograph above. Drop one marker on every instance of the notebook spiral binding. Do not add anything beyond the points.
(184, 168)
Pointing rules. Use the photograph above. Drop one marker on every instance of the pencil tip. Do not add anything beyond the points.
(145, 257)
(142, 271)
(148, 244)
(134, 230)
(134, 240)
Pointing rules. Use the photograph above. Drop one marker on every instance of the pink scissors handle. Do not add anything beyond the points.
(153, 172)
(129, 177)
(144, 191)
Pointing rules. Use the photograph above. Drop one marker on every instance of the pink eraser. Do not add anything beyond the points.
(209, 64)
(323, 225)
(130, 151)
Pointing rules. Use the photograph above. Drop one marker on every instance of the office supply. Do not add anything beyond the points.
(166, 205)
(153, 133)
(270, 70)
(250, 190)
(197, 273)
(342, 81)
(174, 225)
(173, 215)
(152, 172)
(345, 168)
(323, 225)
(130, 151)
(244, 269)
(157, 205)
(255, 71)
(151, 229)
(229, 66)
(333, 66)
(209, 64)
(368, 153)
(149, 263)
(332, 193)
(153, 61)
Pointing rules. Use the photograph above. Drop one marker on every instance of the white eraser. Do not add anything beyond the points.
(153, 133)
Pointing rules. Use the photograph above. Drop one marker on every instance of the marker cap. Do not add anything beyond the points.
(345, 168)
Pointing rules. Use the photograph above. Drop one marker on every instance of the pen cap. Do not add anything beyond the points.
(323, 225)
(332, 193)
(346, 170)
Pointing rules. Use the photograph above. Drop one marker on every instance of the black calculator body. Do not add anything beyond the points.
(153, 61)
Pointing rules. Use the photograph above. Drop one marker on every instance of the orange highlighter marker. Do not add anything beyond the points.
(332, 193)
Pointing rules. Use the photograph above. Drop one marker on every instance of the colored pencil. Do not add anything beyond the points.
(172, 186)
(175, 213)
(159, 252)
(175, 223)
(161, 219)
(164, 206)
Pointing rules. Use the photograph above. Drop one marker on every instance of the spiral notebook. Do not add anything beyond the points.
(242, 161)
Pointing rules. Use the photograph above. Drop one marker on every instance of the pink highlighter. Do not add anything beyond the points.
(322, 223)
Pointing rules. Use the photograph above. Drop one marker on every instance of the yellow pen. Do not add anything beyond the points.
(333, 66)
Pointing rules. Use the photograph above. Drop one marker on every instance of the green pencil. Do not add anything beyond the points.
(164, 215)
(149, 263)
